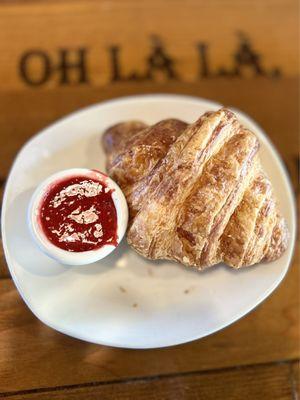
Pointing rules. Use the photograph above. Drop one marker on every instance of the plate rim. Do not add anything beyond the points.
(133, 98)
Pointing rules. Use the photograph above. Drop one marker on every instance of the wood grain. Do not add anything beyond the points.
(30, 351)
(4, 272)
(295, 379)
(130, 24)
(273, 104)
(262, 382)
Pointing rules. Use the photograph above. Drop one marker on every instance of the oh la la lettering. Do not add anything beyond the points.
(70, 66)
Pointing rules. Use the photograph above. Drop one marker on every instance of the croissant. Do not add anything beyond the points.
(196, 193)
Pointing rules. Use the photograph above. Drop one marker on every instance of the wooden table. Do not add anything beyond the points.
(239, 53)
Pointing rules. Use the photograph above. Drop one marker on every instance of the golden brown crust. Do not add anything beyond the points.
(117, 136)
(197, 193)
(140, 158)
(278, 241)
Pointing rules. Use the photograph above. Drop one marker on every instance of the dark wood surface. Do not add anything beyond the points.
(254, 383)
(30, 351)
(258, 356)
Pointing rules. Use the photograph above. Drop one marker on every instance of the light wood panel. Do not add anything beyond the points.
(270, 27)
(273, 104)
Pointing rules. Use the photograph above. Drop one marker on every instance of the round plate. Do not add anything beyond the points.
(125, 300)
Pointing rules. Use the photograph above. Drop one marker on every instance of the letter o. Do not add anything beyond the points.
(24, 72)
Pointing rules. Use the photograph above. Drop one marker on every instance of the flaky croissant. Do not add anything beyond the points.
(196, 193)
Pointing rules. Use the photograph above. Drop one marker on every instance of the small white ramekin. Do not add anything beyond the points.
(64, 256)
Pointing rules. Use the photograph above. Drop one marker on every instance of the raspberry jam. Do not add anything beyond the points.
(78, 214)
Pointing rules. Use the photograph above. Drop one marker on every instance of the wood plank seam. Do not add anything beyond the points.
(158, 377)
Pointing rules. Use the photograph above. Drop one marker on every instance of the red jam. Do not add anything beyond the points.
(78, 214)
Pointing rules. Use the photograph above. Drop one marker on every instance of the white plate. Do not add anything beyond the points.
(125, 300)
